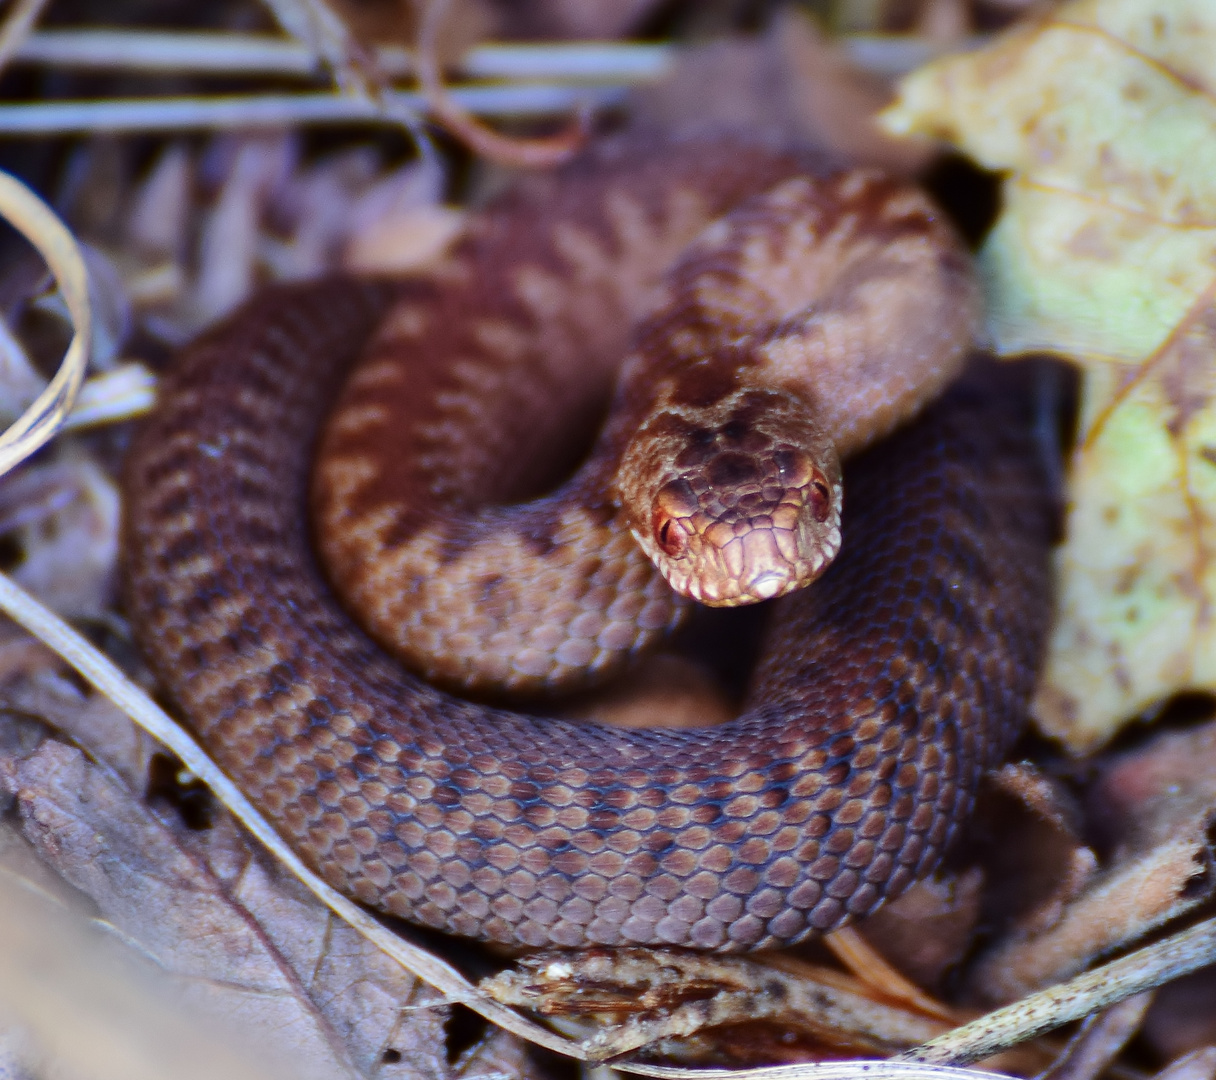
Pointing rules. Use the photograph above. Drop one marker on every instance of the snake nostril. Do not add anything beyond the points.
(670, 539)
(819, 495)
(674, 500)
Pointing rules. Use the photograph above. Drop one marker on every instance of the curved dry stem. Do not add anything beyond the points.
(1075, 999)
(26, 212)
(539, 153)
(18, 23)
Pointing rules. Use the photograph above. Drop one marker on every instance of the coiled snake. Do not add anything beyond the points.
(883, 693)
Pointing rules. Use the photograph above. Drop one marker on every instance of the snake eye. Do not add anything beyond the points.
(793, 466)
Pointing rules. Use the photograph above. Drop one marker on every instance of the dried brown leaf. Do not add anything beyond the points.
(64, 519)
(1120, 906)
(77, 1004)
(238, 944)
(792, 83)
(40, 689)
(406, 240)
(228, 246)
(499, 1056)
(1160, 868)
(1172, 777)
(272, 218)
(1036, 860)
(157, 212)
(926, 931)
(1102, 117)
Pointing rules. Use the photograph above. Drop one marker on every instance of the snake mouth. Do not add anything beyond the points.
(734, 547)
(756, 564)
(766, 585)
(722, 566)
(716, 592)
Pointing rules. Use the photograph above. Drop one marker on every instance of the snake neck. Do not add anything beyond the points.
(768, 299)
(474, 384)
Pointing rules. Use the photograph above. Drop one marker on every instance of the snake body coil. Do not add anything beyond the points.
(885, 690)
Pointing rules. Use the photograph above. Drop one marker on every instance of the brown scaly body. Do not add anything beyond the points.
(812, 318)
(885, 691)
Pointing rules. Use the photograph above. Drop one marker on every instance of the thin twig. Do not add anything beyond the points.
(851, 948)
(642, 996)
(17, 26)
(207, 53)
(203, 53)
(245, 112)
(535, 153)
(1099, 1041)
(325, 34)
(815, 1070)
(1073, 1000)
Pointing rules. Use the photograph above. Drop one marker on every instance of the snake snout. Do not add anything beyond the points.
(744, 528)
(767, 554)
(741, 507)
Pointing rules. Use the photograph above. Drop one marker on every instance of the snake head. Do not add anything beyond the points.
(739, 504)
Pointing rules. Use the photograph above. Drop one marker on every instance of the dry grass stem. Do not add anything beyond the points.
(1099, 1041)
(203, 53)
(16, 27)
(1076, 999)
(38, 223)
(818, 1070)
(277, 111)
(122, 394)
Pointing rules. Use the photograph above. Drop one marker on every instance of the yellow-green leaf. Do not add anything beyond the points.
(1104, 118)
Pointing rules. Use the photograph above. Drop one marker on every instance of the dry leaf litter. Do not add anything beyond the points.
(1101, 116)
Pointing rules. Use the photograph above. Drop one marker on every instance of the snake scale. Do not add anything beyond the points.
(884, 691)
